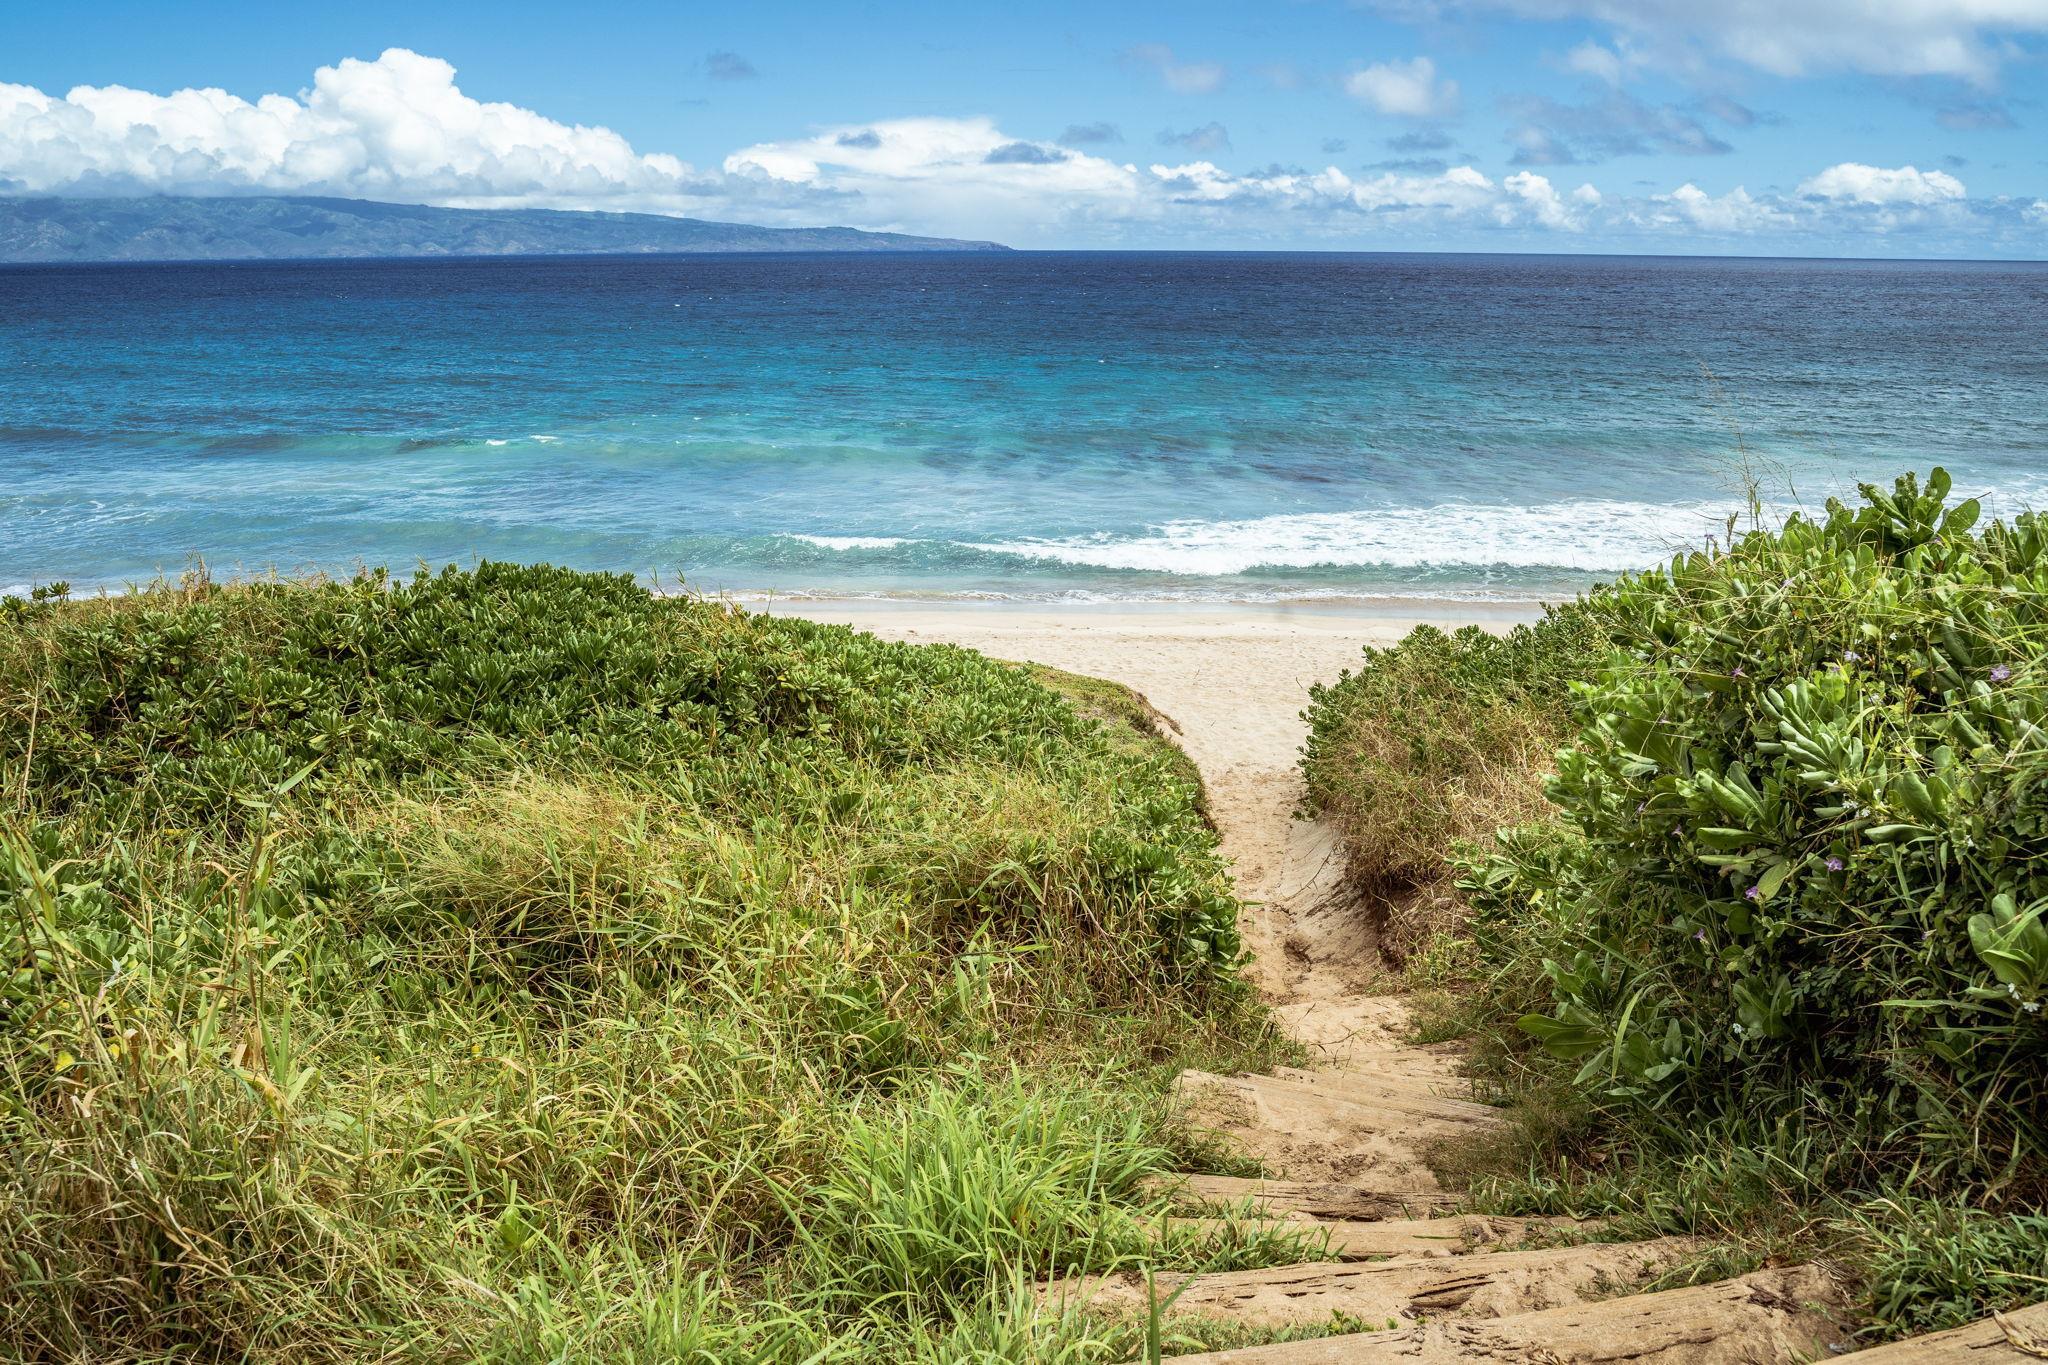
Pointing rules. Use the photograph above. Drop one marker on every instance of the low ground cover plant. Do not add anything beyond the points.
(511, 964)
(1780, 932)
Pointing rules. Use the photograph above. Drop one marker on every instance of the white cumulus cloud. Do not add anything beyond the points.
(1407, 89)
(393, 128)
(1733, 213)
(1908, 185)
(945, 174)
(1544, 203)
(938, 173)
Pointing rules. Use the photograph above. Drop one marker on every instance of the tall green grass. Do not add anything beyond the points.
(512, 965)
(1437, 742)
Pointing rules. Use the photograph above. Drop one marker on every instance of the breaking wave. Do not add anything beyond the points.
(1582, 536)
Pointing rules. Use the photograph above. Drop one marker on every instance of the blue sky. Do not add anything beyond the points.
(1906, 127)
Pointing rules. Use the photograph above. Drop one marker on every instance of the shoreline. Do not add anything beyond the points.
(1357, 618)
(1475, 606)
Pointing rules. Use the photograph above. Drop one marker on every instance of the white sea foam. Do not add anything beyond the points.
(850, 542)
(1149, 596)
(1592, 536)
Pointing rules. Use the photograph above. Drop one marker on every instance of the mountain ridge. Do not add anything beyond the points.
(62, 230)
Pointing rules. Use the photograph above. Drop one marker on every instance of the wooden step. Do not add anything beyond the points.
(2001, 1339)
(1484, 1284)
(1304, 1132)
(1352, 1240)
(1442, 1058)
(1773, 1317)
(1306, 1199)
(1393, 1099)
(1433, 1063)
(1364, 1086)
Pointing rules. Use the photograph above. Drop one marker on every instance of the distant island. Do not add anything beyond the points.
(167, 228)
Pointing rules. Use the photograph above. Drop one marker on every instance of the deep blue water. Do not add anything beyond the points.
(1033, 424)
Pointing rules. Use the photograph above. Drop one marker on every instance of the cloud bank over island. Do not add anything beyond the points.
(400, 129)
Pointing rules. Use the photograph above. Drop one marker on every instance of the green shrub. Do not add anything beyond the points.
(1805, 878)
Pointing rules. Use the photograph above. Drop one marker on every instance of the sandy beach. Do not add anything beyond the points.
(1233, 679)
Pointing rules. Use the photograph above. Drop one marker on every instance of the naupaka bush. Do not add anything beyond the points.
(1806, 863)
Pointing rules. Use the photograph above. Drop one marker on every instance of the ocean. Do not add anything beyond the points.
(1033, 426)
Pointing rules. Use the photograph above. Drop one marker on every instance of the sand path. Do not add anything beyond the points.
(1344, 1142)
(1234, 682)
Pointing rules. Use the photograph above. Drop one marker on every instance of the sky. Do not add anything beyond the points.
(1754, 127)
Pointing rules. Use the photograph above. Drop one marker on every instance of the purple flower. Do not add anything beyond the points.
(1737, 673)
(1755, 893)
(1850, 656)
(1999, 673)
(1700, 935)
(1834, 864)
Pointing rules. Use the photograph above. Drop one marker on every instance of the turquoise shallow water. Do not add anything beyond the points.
(1028, 425)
